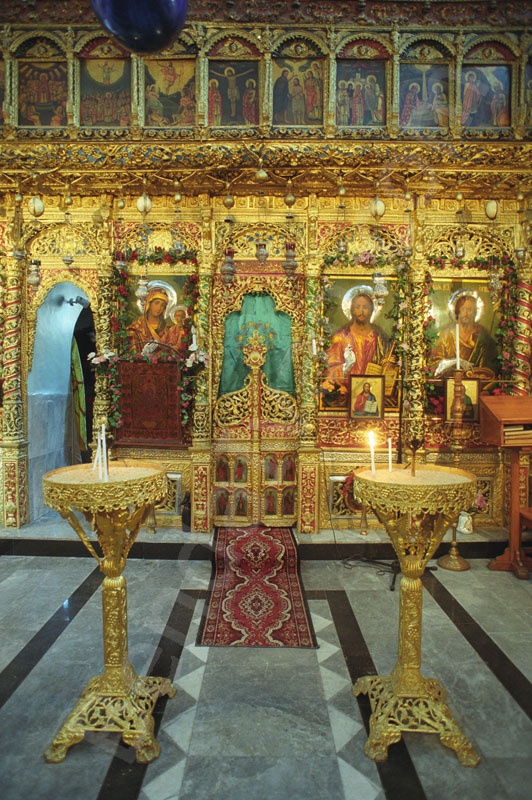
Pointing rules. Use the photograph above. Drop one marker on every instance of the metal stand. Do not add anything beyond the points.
(384, 567)
(453, 560)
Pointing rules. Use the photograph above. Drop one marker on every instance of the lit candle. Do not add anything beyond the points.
(371, 437)
(314, 350)
(457, 336)
(390, 453)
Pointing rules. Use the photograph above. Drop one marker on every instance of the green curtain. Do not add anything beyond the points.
(258, 312)
(78, 396)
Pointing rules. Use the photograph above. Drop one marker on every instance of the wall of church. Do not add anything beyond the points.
(311, 162)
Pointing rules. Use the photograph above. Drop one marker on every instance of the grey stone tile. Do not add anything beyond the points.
(288, 778)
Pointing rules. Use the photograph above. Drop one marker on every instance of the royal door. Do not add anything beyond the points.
(255, 467)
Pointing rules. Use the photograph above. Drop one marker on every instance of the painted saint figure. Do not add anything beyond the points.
(356, 348)
(152, 325)
(365, 402)
(477, 348)
(250, 103)
(241, 505)
(177, 333)
(240, 470)
(471, 99)
(281, 98)
(411, 102)
(214, 103)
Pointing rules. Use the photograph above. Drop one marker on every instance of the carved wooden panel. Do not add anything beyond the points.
(150, 404)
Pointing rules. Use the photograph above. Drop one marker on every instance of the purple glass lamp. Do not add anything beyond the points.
(143, 26)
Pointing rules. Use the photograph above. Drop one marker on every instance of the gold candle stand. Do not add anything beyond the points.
(416, 510)
(453, 560)
(118, 700)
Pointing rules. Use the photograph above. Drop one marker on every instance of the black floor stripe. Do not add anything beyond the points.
(19, 668)
(398, 775)
(515, 683)
(125, 776)
(329, 551)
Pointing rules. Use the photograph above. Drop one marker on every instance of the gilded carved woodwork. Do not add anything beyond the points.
(12, 416)
(522, 346)
(201, 482)
(236, 407)
(158, 233)
(187, 172)
(308, 484)
(415, 361)
(15, 501)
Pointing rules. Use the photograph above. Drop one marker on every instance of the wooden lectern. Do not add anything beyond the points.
(507, 422)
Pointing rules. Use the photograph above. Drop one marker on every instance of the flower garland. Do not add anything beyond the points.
(363, 259)
(158, 255)
(400, 332)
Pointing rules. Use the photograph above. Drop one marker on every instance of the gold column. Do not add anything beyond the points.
(414, 373)
(201, 484)
(118, 700)
(202, 420)
(308, 461)
(14, 446)
(103, 338)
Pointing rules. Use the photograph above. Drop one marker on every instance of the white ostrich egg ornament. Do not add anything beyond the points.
(377, 208)
(35, 206)
(491, 209)
(144, 204)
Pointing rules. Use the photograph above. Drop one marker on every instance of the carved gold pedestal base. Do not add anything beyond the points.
(453, 560)
(128, 712)
(425, 713)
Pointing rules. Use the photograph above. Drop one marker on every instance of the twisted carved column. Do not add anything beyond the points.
(522, 340)
(308, 462)
(202, 422)
(415, 377)
(202, 427)
(14, 445)
(103, 337)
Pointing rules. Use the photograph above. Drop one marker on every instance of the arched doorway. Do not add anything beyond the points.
(55, 437)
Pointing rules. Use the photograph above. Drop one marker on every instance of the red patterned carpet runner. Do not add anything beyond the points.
(256, 593)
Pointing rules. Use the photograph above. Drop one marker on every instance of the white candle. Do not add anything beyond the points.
(97, 456)
(104, 455)
(314, 350)
(194, 343)
(457, 336)
(371, 437)
(390, 453)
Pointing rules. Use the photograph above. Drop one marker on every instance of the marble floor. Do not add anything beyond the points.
(281, 724)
